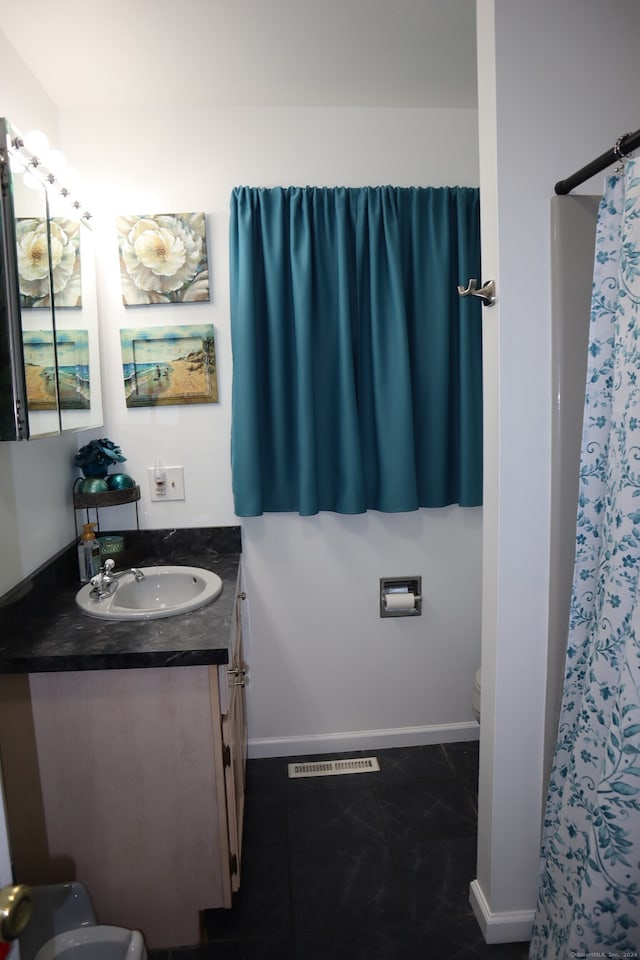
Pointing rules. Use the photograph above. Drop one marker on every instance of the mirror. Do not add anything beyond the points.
(77, 346)
(49, 351)
(31, 215)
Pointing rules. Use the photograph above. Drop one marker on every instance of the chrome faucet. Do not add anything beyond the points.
(105, 582)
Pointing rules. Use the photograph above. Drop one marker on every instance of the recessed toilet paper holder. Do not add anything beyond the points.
(400, 596)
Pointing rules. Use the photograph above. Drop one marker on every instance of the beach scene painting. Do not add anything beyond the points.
(73, 389)
(169, 365)
(74, 384)
(40, 369)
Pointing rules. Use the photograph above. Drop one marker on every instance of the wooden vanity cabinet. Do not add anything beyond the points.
(132, 782)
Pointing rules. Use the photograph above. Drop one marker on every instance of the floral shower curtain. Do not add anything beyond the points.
(589, 899)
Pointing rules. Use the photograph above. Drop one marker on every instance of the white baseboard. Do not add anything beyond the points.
(362, 740)
(510, 926)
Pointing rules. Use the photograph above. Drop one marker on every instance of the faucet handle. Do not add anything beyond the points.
(103, 572)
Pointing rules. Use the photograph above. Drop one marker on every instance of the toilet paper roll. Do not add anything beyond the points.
(399, 601)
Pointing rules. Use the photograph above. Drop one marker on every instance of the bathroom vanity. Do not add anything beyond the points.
(123, 750)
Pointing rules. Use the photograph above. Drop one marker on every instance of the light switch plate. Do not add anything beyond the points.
(173, 483)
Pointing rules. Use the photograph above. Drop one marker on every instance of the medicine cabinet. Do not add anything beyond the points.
(49, 349)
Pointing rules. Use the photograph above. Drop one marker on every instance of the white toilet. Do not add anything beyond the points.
(95, 943)
(63, 926)
(475, 698)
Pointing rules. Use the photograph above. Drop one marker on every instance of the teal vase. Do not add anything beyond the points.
(95, 469)
(93, 485)
(120, 481)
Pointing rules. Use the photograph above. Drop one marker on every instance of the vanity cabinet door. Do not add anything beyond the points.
(115, 779)
(234, 736)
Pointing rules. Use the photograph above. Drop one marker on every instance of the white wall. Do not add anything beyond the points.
(326, 671)
(36, 519)
(558, 84)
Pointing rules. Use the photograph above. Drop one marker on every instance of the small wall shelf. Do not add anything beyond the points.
(112, 498)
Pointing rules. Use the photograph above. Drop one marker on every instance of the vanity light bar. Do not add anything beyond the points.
(35, 166)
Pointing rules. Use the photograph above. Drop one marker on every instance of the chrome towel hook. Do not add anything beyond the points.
(487, 292)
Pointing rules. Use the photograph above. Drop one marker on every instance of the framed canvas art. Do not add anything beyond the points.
(163, 258)
(34, 244)
(168, 365)
(40, 369)
(74, 384)
(73, 381)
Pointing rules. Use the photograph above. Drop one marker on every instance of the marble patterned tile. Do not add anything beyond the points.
(262, 905)
(367, 867)
(436, 877)
(265, 821)
(464, 758)
(333, 819)
(266, 776)
(461, 939)
(389, 942)
(242, 948)
(429, 811)
(344, 887)
(407, 765)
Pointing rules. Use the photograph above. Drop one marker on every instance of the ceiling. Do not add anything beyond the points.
(144, 55)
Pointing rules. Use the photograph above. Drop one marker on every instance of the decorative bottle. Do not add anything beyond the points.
(88, 553)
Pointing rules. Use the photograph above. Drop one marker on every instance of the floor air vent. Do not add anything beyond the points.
(333, 768)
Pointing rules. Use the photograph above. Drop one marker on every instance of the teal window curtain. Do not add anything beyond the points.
(357, 378)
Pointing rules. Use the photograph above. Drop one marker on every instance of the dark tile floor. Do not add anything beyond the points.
(369, 866)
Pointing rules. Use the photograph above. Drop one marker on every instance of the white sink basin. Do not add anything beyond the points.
(164, 592)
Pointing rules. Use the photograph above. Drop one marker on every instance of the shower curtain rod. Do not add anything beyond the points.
(623, 147)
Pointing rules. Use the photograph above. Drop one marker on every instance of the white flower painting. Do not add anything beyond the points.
(163, 258)
(34, 242)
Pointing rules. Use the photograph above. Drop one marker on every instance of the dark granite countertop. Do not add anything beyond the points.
(42, 630)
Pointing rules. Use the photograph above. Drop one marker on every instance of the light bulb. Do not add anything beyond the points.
(55, 161)
(58, 207)
(37, 143)
(32, 182)
(71, 179)
(17, 163)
